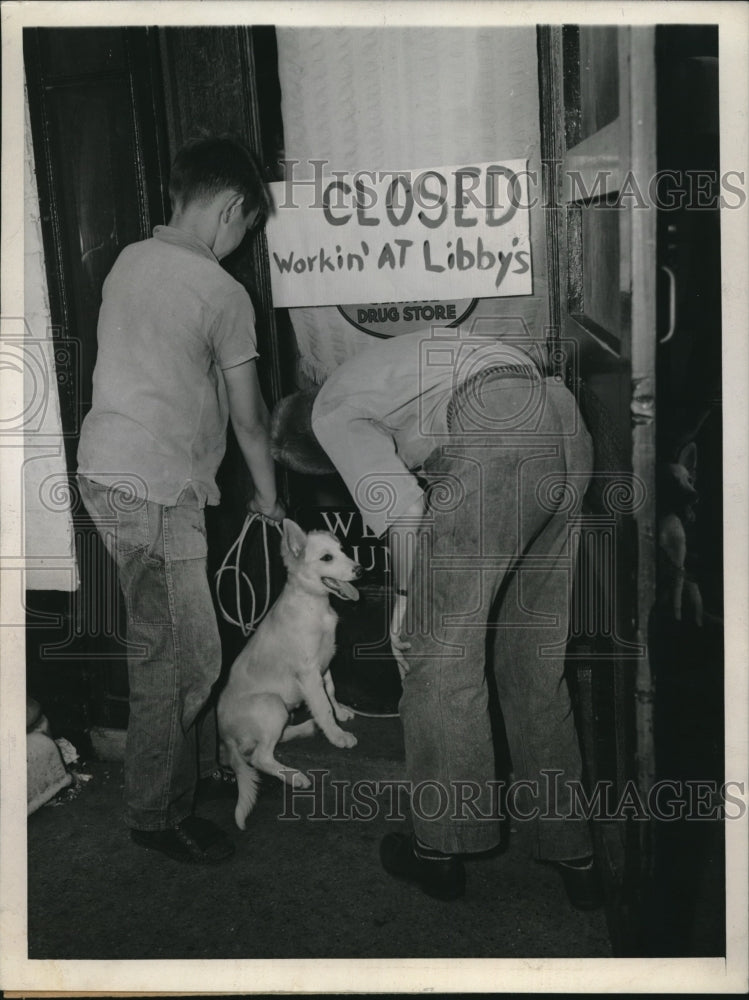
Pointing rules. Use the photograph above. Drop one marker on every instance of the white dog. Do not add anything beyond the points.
(285, 663)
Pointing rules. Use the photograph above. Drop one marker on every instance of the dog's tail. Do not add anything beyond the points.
(248, 782)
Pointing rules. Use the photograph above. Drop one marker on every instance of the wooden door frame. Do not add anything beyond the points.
(623, 911)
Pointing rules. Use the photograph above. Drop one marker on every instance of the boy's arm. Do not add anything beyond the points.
(402, 543)
(249, 417)
(368, 462)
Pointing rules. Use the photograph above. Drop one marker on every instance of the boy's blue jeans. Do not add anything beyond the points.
(492, 583)
(174, 653)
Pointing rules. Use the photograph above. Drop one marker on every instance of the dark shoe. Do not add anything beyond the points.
(439, 876)
(194, 841)
(582, 883)
(219, 784)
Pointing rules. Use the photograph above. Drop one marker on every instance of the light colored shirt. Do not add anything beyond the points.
(171, 319)
(381, 413)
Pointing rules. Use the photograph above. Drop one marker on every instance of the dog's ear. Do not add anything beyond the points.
(294, 537)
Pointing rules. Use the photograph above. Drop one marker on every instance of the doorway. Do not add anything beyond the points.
(635, 301)
(621, 285)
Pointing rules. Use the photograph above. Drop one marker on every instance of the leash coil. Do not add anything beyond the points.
(235, 552)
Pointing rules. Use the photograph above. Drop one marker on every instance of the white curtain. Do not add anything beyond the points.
(47, 534)
(409, 98)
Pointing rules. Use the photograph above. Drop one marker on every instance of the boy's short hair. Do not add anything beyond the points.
(207, 166)
(292, 441)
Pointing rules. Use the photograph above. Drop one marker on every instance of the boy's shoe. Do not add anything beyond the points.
(194, 841)
(441, 876)
(582, 882)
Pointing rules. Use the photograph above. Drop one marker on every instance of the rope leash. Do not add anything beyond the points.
(249, 626)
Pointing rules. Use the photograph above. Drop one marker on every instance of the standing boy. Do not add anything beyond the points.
(176, 358)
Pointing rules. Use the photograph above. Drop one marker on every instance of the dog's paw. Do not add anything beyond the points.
(300, 780)
(343, 739)
(344, 714)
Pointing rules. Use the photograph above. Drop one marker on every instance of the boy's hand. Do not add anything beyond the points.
(399, 648)
(276, 512)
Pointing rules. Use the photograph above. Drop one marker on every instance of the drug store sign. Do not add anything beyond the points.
(444, 234)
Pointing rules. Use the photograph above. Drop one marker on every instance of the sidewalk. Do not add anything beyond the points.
(296, 888)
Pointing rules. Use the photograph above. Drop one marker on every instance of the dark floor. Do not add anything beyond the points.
(294, 889)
